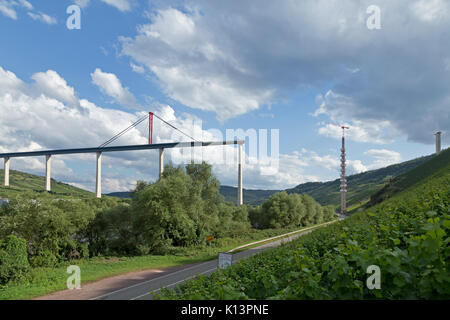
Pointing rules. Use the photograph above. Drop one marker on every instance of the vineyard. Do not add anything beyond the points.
(407, 236)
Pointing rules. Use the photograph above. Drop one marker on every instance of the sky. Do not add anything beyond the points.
(295, 69)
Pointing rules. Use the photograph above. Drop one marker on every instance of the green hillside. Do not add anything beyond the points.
(20, 182)
(406, 235)
(436, 166)
(360, 186)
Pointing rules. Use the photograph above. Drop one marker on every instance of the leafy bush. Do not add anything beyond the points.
(45, 258)
(52, 228)
(13, 259)
(283, 210)
(112, 232)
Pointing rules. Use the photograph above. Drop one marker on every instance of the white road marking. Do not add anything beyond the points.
(140, 283)
(172, 284)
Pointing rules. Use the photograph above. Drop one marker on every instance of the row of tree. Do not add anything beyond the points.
(180, 210)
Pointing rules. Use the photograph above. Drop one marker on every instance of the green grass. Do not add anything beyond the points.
(42, 281)
(357, 207)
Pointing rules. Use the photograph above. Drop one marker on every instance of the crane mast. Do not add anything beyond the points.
(343, 179)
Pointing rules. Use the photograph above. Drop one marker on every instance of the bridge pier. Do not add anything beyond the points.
(6, 172)
(240, 199)
(98, 187)
(48, 168)
(161, 162)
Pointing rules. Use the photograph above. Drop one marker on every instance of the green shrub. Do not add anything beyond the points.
(283, 210)
(45, 258)
(49, 225)
(83, 249)
(13, 259)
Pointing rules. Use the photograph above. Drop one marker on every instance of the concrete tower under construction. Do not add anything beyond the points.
(438, 142)
(343, 179)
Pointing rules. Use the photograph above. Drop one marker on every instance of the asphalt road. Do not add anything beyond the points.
(141, 291)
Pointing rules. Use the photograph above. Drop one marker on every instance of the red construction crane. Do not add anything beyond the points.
(150, 128)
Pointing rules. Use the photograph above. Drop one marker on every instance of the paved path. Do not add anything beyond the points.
(141, 290)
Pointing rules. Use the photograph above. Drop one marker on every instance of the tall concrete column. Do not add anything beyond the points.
(240, 200)
(48, 169)
(98, 187)
(6, 172)
(161, 162)
(438, 142)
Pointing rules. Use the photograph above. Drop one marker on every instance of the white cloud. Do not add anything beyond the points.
(355, 167)
(82, 3)
(118, 185)
(337, 107)
(213, 94)
(136, 68)
(122, 5)
(332, 163)
(6, 8)
(429, 10)
(231, 58)
(377, 132)
(26, 4)
(110, 85)
(53, 85)
(327, 161)
(45, 18)
(191, 67)
(9, 81)
(55, 119)
(383, 158)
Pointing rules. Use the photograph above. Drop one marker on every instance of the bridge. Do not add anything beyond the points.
(104, 148)
(100, 150)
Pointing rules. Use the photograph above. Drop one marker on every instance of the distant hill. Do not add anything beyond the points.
(360, 186)
(253, 197)
(21, 181)
(123, 194)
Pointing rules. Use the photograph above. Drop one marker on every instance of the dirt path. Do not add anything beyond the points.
(98, 288)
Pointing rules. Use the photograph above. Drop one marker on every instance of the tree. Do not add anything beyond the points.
(282, 210)
(140, 185)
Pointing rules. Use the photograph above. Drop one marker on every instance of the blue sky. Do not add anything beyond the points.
(302, 68)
